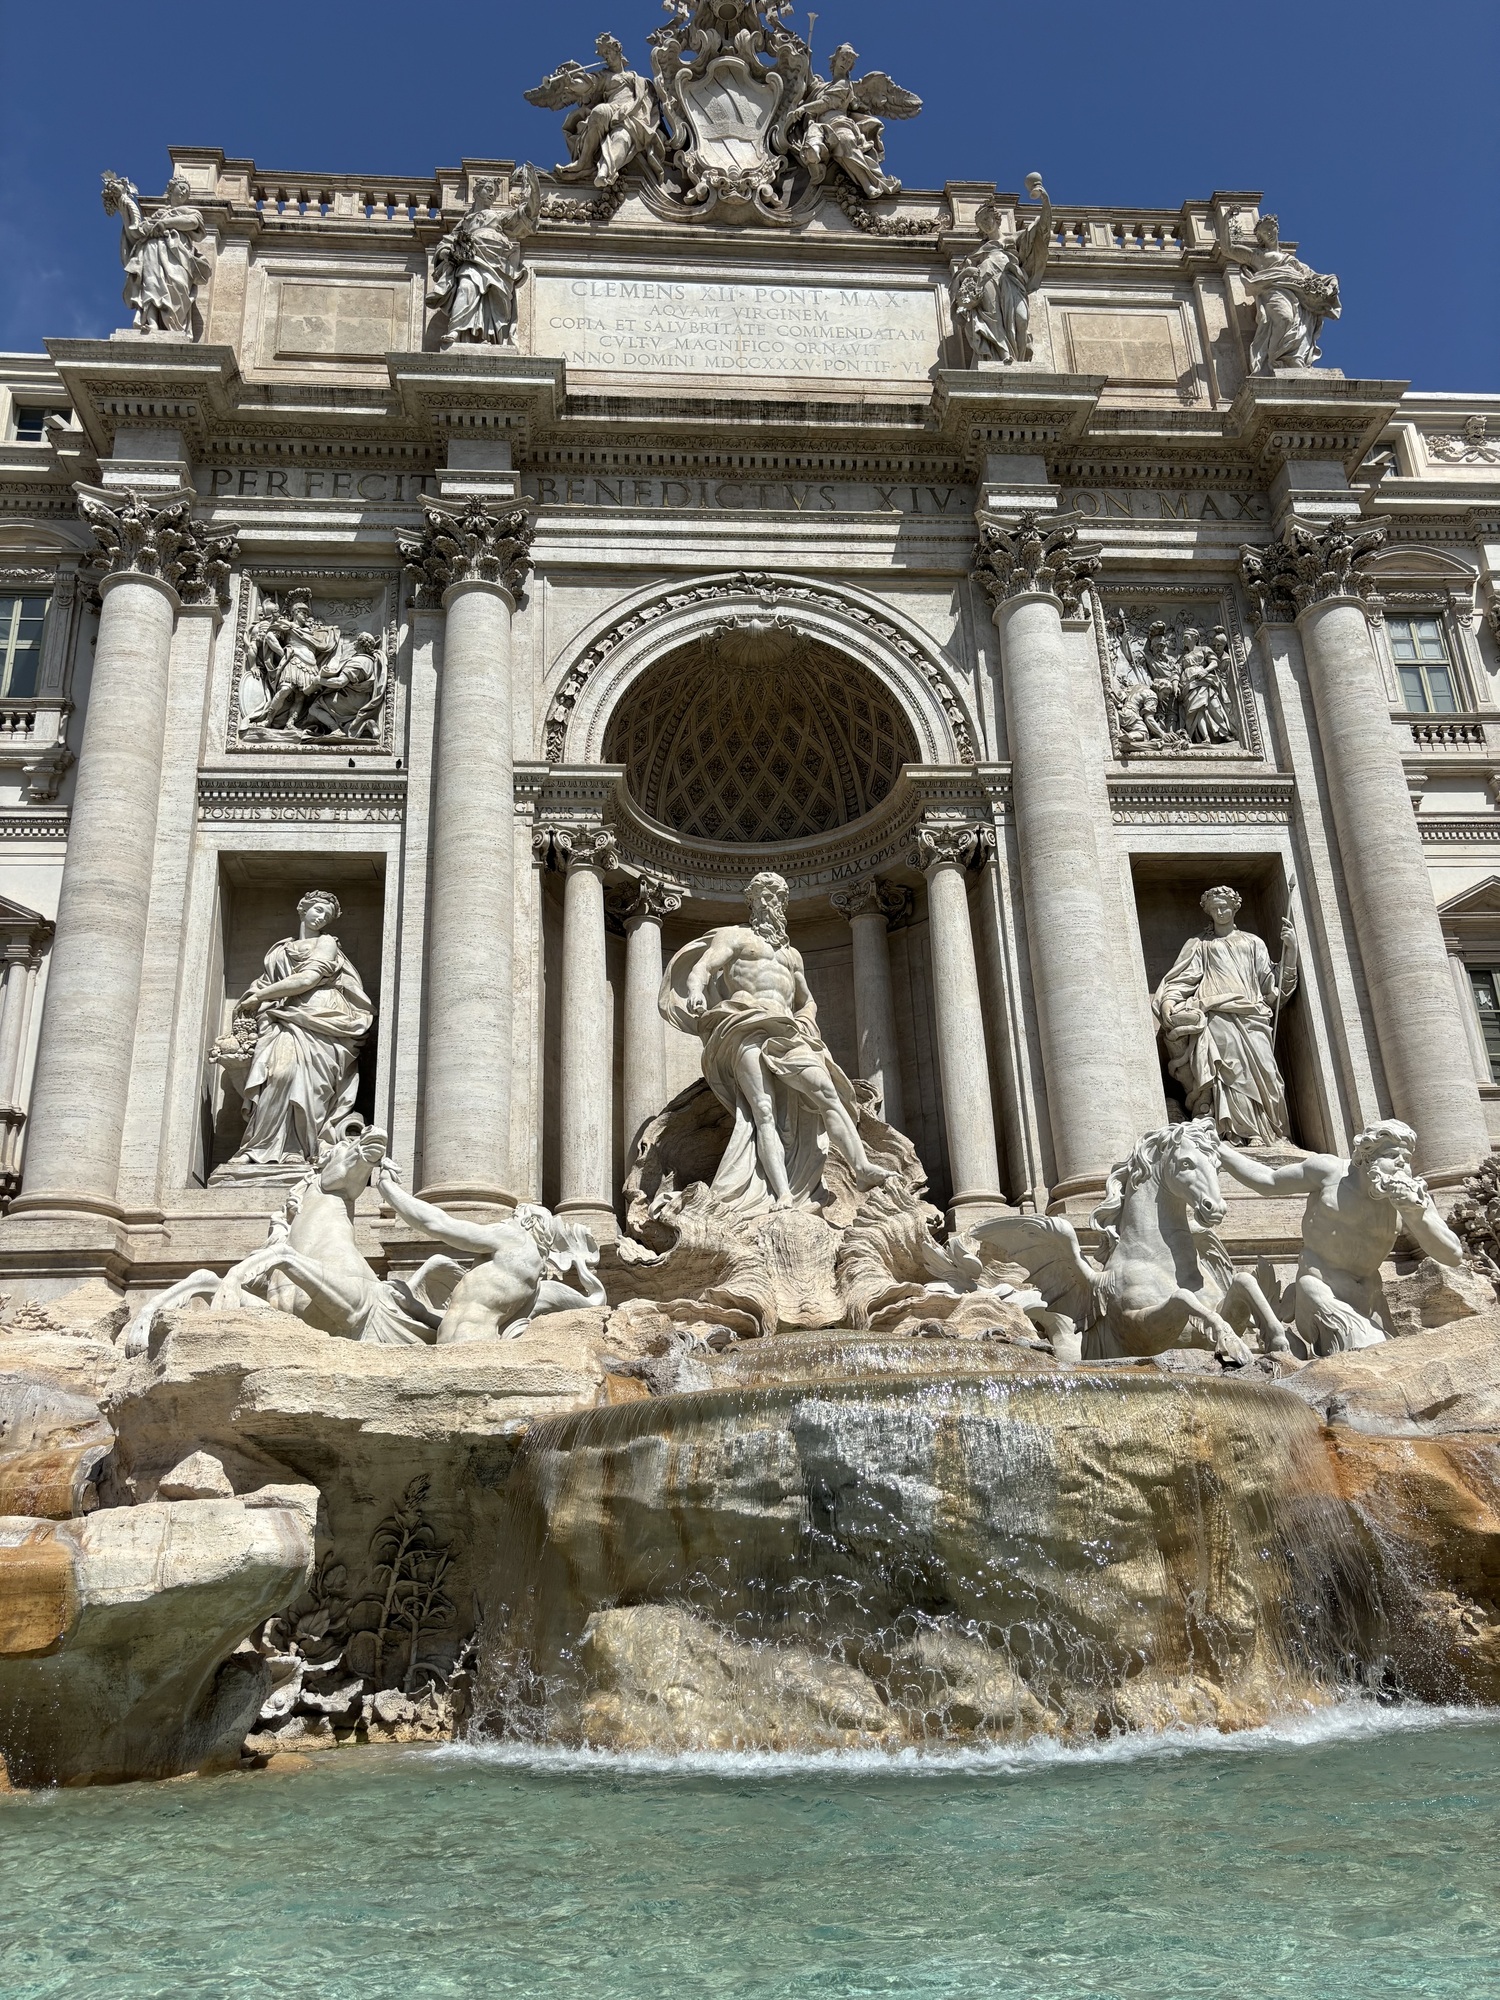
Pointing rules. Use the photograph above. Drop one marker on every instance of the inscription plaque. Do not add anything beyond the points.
(336, 322)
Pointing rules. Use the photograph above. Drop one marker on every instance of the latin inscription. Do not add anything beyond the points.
(690, 327)
(774, 496)
(1130, 503)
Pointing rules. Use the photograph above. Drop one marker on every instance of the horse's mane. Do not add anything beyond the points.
(1145, 1164)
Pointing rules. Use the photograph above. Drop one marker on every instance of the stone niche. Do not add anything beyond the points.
(258, 897)
(1167, 888)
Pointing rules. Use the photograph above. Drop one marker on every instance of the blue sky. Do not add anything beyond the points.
(1371, 128)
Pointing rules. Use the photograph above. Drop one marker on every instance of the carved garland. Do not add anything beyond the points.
(754, 584)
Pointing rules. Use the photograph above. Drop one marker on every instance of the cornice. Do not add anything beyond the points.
(319, 798)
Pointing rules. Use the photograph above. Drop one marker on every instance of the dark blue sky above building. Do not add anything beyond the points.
(1371, 128)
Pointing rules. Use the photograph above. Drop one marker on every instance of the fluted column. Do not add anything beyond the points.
(866, 907)
(585, 1080)
(22, 954)
(944, 853)
(1035, 575)
(157, 558)
(1423, 1045)
(1468, 1013)
(473, 563)
(645, 1050)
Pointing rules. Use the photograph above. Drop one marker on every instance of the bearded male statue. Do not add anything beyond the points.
(742, 989)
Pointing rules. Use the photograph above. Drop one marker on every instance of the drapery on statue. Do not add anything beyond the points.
(837, 125)
(312, 681)
(1217, 1008)
(741, 988)
(163, 264)
(992, 286)
(611, 119)
(296, 1037)
(1354, 1209)
(1292, 300)
(477, 267)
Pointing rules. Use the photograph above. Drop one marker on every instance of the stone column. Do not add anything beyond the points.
(78, 1099)
(1468, 1012)
(874, 1001)
(943, 853)
(22, 956)
(585, 1078)
(1035, 575)
(473, 562)
(1423, 1045)
(645, 1050)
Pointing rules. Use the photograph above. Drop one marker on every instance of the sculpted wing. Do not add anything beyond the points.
(1047, 1247)
(876, 92)
(568, 85)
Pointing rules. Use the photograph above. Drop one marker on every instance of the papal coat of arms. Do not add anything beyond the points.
(734, 120)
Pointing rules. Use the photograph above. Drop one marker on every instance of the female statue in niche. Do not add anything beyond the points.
(1217, 1008)
(296, 1036)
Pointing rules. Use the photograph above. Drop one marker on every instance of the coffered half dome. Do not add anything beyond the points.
(759, 733)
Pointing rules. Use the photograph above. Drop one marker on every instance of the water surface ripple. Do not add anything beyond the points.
(1349, 1854)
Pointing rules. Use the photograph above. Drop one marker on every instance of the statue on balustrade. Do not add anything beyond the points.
(1355, 1208)
(742, 989)
(836, 124)
(163, 264)
(612, 116)
(1292, 300)
(992, 287)
(292, 1050)
(477, 268)
(1218, 1008)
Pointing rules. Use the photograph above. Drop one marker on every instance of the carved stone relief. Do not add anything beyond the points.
(313, 671)
(1472, 446)
(1173, 683)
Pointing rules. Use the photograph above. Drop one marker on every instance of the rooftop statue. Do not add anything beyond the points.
(292, 1051)
(837, 124)
(477, 268)
(1218, 1008)
(992, 286)
(613, 119)
(742, 989)
(163, 264)
(1355, 1208)
(1292, 300)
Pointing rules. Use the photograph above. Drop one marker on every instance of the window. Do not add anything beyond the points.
(1485, 981)
(1421, 655)
(21, 621)
(31, 422)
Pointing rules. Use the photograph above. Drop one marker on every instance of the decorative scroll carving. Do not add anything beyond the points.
(468, 543)
(567, 847)
(936, 842)
(1039, 553)
(652, 901)
(1308, 565)
(477, 268)
(138, 538)
(1474, 446)
(163, 264)
(772, 591)
(992, 286)
(1292, 300)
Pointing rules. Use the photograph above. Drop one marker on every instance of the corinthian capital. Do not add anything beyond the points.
(1309, 565)
(871, 898)
(1037, 554)
(950, 841)
(139, 538)
(570, 847)
(468, 543)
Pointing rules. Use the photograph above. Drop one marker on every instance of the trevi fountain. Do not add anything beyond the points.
(749, 1016)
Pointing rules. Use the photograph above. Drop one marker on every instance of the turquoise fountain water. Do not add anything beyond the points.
(1351, 1855)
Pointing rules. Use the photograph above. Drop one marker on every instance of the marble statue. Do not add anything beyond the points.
(477, 268)
(163, 264)
(313, 680)
(611, 119)
(837, 124)
(1203, 688)
(1291, 299)
(991, 288)
(1355, 1208)
(741, 988)
(292, 1050)
(1167, 1280)
(312, 1267)
(530, 1263)
(1218, 1008)
(1171, 701)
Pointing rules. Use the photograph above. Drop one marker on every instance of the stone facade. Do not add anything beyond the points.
(698, 537)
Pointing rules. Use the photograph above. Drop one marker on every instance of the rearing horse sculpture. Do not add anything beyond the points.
(1167, 1280)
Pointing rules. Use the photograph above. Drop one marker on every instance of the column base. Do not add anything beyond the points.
(973, 1205)
(601, 1221)
(49, 1250)
(1078, 1195)
(469, 1196)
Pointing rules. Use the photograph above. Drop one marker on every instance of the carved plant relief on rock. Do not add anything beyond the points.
(306, 678)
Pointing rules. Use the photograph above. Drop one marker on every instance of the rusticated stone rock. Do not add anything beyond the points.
(948, 1683)
(199, 1476)
(118, 1658)
(1433, 1383)
(1437, 1295)
(52, 1443)
(659, 1678)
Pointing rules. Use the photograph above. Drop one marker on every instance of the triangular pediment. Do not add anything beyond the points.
(1483, 900)
(16, 916)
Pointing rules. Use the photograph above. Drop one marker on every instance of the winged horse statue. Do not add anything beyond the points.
(1166, 1280)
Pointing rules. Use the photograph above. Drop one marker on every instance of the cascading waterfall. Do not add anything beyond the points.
(846, 1539)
